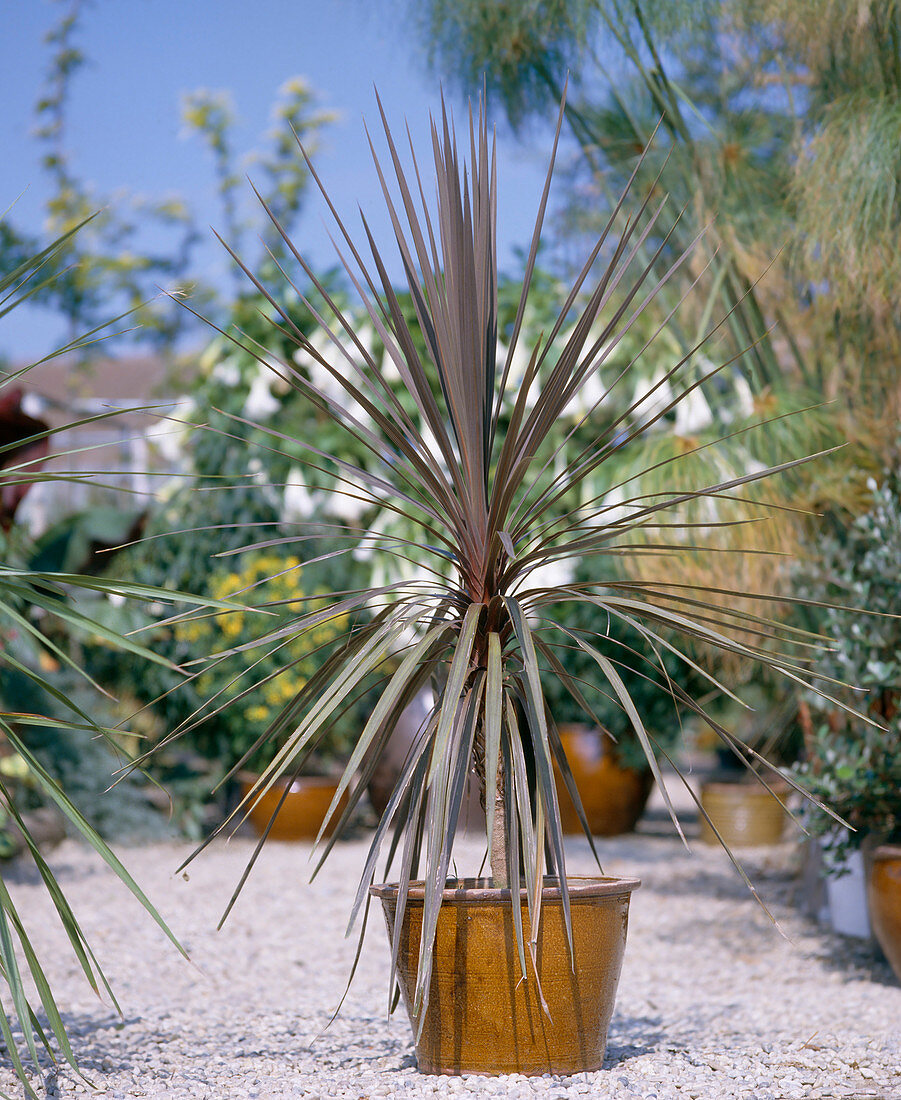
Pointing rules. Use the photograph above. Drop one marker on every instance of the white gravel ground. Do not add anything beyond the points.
(713, 1001)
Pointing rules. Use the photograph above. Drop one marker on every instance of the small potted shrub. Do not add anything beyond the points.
(247, 684)
(608, 764)
(528, 958)
(853, 766)
(738, 810)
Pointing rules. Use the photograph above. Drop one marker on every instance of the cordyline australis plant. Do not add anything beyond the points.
(471, 460)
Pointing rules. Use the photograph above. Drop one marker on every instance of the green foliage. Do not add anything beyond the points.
(860, 568)
(49, 727)
(854, 767)
(778, 128)
(856, 773)
(846, 192)
(52, 728)
(253, 683)
(212, 116)
(236, 491)
(84, 766)
(642, 670)
(280, 175)
(108, 262)
(522, 49)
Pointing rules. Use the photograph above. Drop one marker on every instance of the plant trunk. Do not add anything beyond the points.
(499, 838)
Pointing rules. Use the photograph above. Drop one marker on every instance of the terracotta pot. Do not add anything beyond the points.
(481, 1017)
(613, 797)
(745, 814)
(302, 812)
(884, 896)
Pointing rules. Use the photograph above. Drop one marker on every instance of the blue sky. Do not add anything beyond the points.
(125, 133)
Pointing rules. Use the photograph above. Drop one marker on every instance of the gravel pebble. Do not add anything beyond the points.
(715, 1002)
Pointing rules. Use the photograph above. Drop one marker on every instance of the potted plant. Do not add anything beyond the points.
(853, 766)
(608, 765)
(495, 513)
(248, 685)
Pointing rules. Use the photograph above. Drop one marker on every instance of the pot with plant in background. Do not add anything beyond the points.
(743, 814)
(855, 770)
(606, 759)
(460, 421)
(613, 795)
(746, 801)
(250, 680)
(853, 765)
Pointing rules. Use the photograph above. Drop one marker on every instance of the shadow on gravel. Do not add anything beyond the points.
(101, 1045)
(23, 872)
(657, 822)
(362, 1040)
(724, 883)
(668, 868)
(636, 847)
(749, 937)
(632, 1036)
(856, 960)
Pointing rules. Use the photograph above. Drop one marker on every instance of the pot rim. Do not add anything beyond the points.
(295, 782)
(720, 786)
(886, 851)
(468, 891)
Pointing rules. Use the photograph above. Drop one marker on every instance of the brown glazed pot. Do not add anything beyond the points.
(884, 901)
(302, 812)
(745, 814)
(481, 1017)
(613, 797)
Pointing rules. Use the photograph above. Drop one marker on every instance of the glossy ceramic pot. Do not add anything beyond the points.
(613, 797)
(302, 812)
(745, 814)
(390, 759)
(481, 1016)
(884, 897)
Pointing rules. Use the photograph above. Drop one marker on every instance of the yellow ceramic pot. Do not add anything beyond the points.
(745, 814)
(481, 1016)
(613, 797)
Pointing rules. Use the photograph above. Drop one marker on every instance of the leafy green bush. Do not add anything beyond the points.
(254, 682)
(639, 668)
(852, 766)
